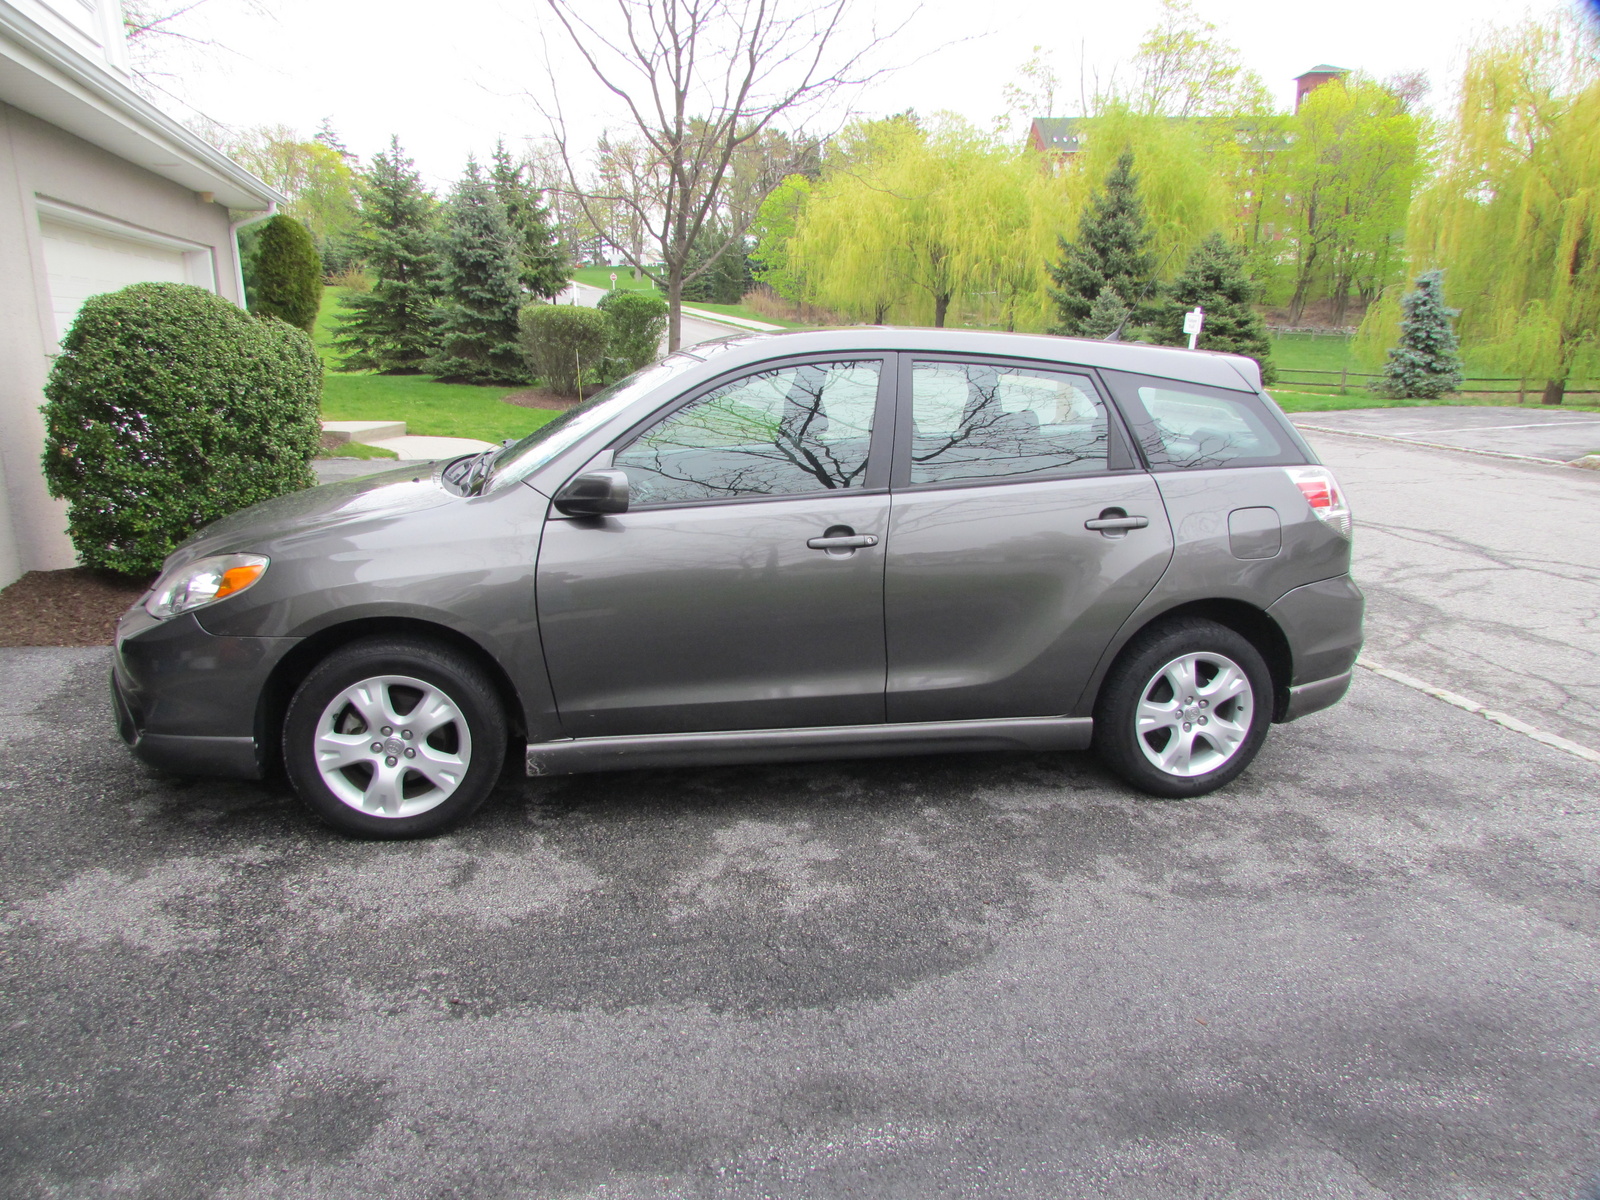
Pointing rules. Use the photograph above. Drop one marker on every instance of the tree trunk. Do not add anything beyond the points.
(1302, 285)
(941, 305)
(674, 308)
(1341, 302)
(1555, 390)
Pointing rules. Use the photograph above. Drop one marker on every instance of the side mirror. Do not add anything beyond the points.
(594, 494)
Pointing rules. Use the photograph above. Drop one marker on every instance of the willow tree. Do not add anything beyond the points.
(1515, 212)
(1349, 171)
(926, 224)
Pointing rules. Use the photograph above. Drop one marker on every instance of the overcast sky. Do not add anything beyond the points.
(451, 77)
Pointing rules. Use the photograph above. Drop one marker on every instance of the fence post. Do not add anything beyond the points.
(1343, 374)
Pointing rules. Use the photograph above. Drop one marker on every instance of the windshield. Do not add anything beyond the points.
(550, 439)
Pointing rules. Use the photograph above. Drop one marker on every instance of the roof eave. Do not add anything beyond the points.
(42, 75)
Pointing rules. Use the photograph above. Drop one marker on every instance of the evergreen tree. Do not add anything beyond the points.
(727, 279)
(542, 268)
(391, 328)
(1112, 249)
(1108, 315)
(478, 332)
(285, 274)
(1427, 362)
(1215, 279)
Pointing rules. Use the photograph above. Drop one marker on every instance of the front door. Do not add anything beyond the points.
(743, 588)
(1022, 537)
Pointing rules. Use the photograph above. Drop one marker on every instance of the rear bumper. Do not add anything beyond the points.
(186, 700)
(1322, 623)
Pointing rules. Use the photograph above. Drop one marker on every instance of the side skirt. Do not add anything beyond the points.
(573, 755)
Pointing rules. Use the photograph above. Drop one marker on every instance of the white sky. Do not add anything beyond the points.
(451, 77)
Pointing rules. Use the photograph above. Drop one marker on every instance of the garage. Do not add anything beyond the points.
(83, 261)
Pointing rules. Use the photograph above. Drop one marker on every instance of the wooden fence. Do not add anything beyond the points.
(1340, 383)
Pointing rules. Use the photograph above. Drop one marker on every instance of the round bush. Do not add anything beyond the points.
(637, 319)
(168, 408)
(564, 344)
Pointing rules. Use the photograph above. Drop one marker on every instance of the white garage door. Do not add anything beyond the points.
(85, 262)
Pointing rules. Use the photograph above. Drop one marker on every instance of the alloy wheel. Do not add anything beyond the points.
(392, 746)
(1194, 714)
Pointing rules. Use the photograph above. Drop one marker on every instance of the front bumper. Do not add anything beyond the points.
(186, 700)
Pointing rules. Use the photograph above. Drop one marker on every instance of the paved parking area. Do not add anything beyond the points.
(1530, 430)
(1367, 970)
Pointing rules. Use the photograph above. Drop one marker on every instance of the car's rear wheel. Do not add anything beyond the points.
(394, 738)
(1185, 708)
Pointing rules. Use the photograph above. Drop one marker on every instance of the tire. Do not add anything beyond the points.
(442, 753)
(1150, 732)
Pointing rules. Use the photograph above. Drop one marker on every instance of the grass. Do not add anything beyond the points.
(429, 408)
(357, 450)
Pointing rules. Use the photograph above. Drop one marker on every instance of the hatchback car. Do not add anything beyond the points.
(810, 545)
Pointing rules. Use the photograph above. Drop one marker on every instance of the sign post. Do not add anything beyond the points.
(613, 281)
(1193, 321)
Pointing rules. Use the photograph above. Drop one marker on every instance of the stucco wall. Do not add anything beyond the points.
(40, 161)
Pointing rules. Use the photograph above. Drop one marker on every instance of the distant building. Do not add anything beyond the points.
(1305, 84)
(98, 189)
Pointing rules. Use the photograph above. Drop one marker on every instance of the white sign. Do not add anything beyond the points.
(1193, 322)
(613, 279)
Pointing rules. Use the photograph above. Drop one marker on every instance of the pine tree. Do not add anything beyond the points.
(1427, 362)
(1107, 315)
(391, 328)
(285, 274)
(1215, 279)
(541, 266)
(478, 332)
(1112, 249)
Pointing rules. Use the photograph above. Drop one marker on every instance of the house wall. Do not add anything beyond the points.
(39, 162)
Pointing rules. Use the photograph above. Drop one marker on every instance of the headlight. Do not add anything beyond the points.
(204, 581)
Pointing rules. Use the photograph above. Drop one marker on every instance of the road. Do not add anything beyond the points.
(1366, 970)
(1482, 575)
(694, 330)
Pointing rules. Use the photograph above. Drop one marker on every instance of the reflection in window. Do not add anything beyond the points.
(778, 433)
(1191, 429)
(972, 421)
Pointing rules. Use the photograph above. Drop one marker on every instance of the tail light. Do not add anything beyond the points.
(1323, 494)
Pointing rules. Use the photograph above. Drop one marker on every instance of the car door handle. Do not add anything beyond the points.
(853, 541)
(1104, 523)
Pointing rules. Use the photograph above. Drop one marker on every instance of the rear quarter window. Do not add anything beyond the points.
(1190, 426)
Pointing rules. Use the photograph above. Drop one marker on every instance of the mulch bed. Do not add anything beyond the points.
(541, 398)
(75, 607)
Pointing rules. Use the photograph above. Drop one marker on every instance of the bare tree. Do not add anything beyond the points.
(699, 79)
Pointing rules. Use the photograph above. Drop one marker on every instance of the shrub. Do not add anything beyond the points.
(286, 275)
(168, 408)
(1426, 364)
(636, 321)
(565, 345)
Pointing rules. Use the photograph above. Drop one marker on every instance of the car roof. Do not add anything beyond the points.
(1232, 371)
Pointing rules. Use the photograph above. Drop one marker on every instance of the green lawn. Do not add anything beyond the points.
(428, 407)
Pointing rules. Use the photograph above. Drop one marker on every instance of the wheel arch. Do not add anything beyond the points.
(293, 668)
(1253, 624)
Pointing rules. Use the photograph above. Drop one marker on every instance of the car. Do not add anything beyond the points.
(818, 544)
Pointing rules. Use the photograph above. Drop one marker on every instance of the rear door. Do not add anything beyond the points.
(1023, 534)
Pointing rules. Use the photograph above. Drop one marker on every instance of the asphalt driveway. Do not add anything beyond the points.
(1533, 431)
(1365, 970)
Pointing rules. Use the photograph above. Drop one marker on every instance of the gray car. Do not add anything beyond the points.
(812, 545)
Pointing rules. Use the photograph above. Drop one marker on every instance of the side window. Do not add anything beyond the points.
(1196, 429)
(777, 433)
(977, 421)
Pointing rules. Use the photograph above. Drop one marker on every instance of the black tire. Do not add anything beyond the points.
(471, 735)
(1138, 673)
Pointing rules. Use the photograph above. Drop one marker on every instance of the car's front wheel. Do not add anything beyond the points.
(394, 738)
(1185, 709)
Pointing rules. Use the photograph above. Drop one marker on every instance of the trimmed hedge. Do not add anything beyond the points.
(168, 408)
(565, 345)
(637, 320)
(286, 274)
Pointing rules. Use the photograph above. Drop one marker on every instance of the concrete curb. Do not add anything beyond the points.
(1553, 740)
(1400, 441)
